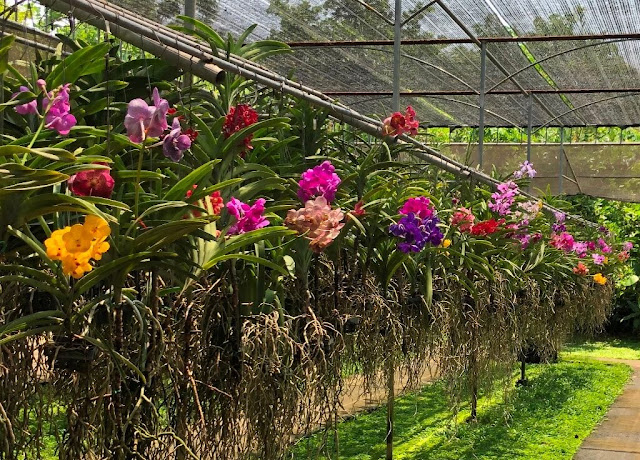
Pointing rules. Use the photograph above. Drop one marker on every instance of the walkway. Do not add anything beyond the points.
(618, 436)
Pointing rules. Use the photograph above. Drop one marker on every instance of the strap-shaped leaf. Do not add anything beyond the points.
(85, 61)
(248, 258)
(32, 320)
(248, 191)
(238, 242)
(5, 45)
(114, 354)
(36, 245)
(128, 174)
(178, 191)
(167, 233)
(205, 32)
(41, 205)
(236, 138)
(120, 265)
(28, 333)
(47, 152)
(30, 179)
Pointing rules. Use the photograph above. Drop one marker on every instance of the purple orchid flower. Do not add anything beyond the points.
(175, 143)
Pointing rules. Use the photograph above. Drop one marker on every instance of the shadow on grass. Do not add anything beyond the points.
(547, 419)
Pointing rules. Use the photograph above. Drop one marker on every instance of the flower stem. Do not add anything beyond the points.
(37, 133)
(138, 187)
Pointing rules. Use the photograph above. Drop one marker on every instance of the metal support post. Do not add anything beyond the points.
(561, 161)
(483, 78)
(397, 41)
(391, 366)
(189, 10)
(529, 130)
(529, 126)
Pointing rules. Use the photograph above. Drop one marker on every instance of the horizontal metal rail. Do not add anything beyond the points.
(502, 92)
(454, 41)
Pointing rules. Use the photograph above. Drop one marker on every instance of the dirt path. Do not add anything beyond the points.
(618, 436)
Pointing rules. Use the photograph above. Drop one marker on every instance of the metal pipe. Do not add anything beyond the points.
(619, 96)
(529, 126)
(397, 37)
(395, 102)
(481, 100)
(461, 41)
(115, 25)
(551, 56)
(190, 8)
(499, 92)
(486, 111)
(417, 13)
(375, 11)
(36, 45)
(176, 40)
(9, 24)
(190, 11)
(561, 163)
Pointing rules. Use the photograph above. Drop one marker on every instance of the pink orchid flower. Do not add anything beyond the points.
(144, 120)
(30, 107)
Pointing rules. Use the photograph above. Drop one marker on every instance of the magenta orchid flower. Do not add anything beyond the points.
(158, 122)
(420, 206)
(29, 108)
(144, 120)
(319, 181)
(57, 108)
(526, 170)
(175, 143)
(504, 198)
(60, 121)
(248, 218)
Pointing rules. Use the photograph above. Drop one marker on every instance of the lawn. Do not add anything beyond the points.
(625, 348)
(547, 420)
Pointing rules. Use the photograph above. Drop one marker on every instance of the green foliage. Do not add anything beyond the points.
(622, 219)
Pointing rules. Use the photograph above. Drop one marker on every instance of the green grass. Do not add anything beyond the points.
(547, 420)
(603, 348)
